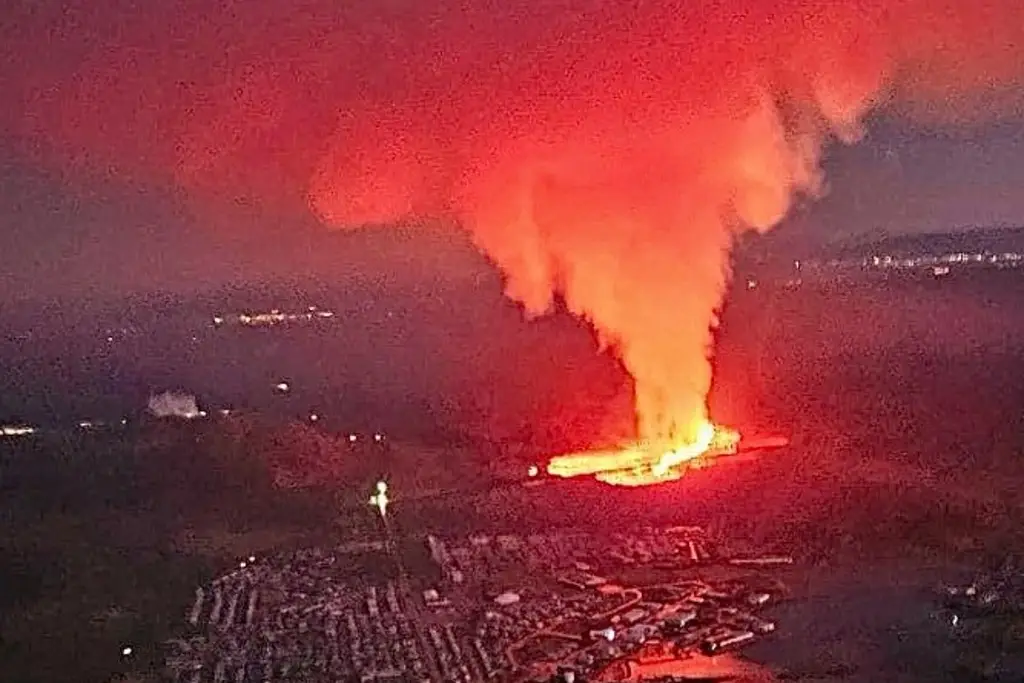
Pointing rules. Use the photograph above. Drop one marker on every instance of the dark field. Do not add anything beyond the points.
(903, 400)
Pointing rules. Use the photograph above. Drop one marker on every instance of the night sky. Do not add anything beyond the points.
(169, 145)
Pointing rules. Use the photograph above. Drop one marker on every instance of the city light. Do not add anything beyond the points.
(17, 430)
(380, 499)
(272, 317)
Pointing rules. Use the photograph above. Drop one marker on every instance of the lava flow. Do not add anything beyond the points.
(645, 464)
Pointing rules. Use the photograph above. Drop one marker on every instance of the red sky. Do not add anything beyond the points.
(155, 141)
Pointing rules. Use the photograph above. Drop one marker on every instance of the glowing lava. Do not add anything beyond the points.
(648, 463)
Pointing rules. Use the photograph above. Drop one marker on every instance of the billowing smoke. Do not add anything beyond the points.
(606, 151)
(172, 404)
(614, 159)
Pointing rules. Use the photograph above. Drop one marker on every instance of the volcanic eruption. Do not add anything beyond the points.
(605, 152)
(615, 168)
(614, 157)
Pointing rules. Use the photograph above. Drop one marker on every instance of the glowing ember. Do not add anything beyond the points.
(646, 464)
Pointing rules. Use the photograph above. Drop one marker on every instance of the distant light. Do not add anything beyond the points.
(352, 438)
(751, 284)
(252, 558)
(956, 619)
(380, 499)
(242, 564)
(378, 437)
(17, 430)
(314, 417)
(283, 387)
(218, 320)
(110, 339)
(533, 471)
(202, 413)
(126, 651)
(225, 411)
(939, 271)
(124, 420)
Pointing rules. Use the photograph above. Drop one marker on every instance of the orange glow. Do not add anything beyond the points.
(646, 464)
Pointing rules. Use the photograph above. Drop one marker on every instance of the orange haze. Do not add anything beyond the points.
(606, 151)
(614, 159)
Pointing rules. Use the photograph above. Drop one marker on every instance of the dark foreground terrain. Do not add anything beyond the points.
(904, 407)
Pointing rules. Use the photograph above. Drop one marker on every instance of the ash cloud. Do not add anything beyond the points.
(609, 152)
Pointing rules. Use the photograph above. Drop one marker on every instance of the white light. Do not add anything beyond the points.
(252, 558)
(126, 651)
(202, 413)
(533, 471)
(956, 619)
(380, 498)
(282, 386)
(314, 417)
(17, 430)
(352, 438)
(378, 438)
(241, 565)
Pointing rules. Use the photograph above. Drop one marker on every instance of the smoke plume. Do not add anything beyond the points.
(171, 404)
(614, 160)
(609, 152)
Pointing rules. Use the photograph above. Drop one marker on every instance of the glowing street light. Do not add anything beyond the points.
(380, 499)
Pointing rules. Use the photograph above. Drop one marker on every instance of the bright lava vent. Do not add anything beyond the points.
(646, 464)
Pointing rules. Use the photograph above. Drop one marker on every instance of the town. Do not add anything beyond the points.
(503, 608)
